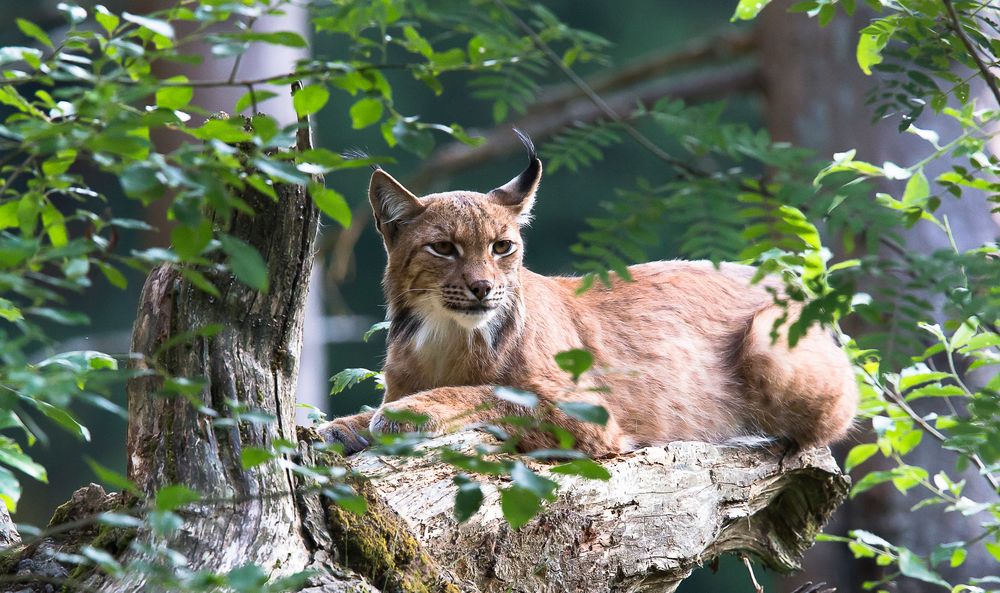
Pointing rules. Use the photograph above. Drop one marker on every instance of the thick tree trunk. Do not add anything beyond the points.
(250, 364)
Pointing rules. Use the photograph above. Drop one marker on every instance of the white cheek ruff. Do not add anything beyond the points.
(442, 329)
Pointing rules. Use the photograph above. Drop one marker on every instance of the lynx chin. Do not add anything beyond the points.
(683, 352)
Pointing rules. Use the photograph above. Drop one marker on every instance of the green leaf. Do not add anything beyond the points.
(405, 416)
(374, 329)
(310, 99)
(286, 38)
(105, 18)
(250, 98)
(468, 499)
(914, 567)
(958, 557)
(9, 311)
(113, 275)
(348, 378)
(281, 170)
(859, 455)
(331, 203)
(111, 477)
(519, 505)
(10, 489)
(366, 112)
(246, 579)
(119, 520)
(869, 52)
(586, 412)
(575, 362)
(354, 504)
(586, 468)
(543, 488)
(173, 96)
(101, 558)
(251, 457)
(748, 10)
(12, 455)
(164, 522)
(246, 262)
(34, 31)
(917, 191)
(173, 497)
(188, 241)
(62, 418)
(199, 280)
(517, 397)
(141, 181)
(993, 548)
(155, 25)
(55, 225)
(870, 481)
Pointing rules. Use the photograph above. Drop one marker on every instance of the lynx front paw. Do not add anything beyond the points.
(400, 420)
(339, 431)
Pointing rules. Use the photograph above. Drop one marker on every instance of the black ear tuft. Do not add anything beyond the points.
(528, 144)
(358, 154)
(519, 192)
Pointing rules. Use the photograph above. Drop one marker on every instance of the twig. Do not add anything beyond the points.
(902, 403)
(239, 57)
(753, 578)
(956, 25)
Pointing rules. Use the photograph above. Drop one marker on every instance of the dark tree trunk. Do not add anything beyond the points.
(266, 515)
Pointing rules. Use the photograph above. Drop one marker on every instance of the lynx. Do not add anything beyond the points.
(682, 352)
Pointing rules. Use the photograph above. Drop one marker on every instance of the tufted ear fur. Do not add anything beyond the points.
(518, 194)
(392, 204)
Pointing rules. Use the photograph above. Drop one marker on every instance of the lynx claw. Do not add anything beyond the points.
(340, 432)
(381, 425)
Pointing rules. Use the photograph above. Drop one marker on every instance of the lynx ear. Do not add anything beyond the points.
(392, 204)
(518, 194)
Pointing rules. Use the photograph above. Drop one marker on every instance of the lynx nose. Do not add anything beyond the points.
(481, 288)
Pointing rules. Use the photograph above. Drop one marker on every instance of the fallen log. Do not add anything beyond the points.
(664, 512)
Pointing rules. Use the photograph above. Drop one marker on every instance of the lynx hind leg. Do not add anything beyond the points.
(807, 393)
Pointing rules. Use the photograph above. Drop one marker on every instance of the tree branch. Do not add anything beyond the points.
(956, 25)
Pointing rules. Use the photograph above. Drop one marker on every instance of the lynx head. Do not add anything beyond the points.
(454, 257)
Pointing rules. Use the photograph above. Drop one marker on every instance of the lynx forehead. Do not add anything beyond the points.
(684, 351)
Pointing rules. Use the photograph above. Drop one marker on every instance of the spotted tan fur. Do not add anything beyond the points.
(682, 352)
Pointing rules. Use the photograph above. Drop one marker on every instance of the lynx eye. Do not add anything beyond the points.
(503, 248)
(442, 248)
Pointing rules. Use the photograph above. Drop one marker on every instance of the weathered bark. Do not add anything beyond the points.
(664, 512)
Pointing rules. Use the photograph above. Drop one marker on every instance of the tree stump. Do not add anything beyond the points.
(664, 511)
